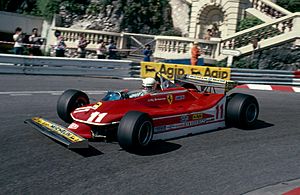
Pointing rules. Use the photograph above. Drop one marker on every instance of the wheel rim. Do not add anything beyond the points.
(79, 103)
(145, 133)
(251, 113)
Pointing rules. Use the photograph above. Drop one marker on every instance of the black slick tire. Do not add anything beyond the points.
(135, 131)
(69, 101)
(241, 111)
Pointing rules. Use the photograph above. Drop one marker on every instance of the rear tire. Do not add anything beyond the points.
(69, 101)
(135, 131)
(241, 111)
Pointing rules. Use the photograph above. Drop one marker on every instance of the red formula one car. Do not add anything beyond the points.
(188, 105)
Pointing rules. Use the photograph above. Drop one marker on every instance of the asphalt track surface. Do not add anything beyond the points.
(229, 161)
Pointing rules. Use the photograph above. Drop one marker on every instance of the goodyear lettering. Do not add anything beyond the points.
(215, 73)
(197, 116)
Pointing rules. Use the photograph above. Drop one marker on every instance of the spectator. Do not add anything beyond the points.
(82, 43)
(112, 50)
(195, 53)
(60, 47)
(35, 42)
(215, 30)
(18, 38)
(147, 53)
(208, 34)
(101, 49)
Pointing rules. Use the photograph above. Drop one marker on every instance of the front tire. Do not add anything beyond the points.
(69, 101)
(135, 131)
(242, 110)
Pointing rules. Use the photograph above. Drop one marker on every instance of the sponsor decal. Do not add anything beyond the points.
(156, 99)
(182, 124)
(170, 98)
(184, 118)
(180, 97)
(175, 126)
(148, 69)
(198, 122)
(197, 116)
(58, 129)
(73, 126)
(97, 105)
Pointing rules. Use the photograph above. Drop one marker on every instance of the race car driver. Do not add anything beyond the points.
(149, 85)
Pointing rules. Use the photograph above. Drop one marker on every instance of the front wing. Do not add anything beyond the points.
(58, 132)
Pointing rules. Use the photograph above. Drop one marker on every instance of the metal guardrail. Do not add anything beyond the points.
(251, 76)
(14, 64)
(271, 77)
(17, 64)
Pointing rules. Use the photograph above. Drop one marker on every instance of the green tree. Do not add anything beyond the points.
(146, 16)
(291, 5)
(248, 22)
(48, 8)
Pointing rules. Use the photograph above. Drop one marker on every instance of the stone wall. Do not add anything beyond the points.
(283, 57)
(181, 15)
(9, 21)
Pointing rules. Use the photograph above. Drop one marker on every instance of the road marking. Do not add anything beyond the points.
(260, 87)
(20, 94)
(296, 89)
(27, 93)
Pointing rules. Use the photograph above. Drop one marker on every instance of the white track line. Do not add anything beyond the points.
(26, 93)
(20, 94)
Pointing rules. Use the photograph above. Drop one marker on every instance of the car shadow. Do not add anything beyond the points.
(87, 152)
(259, 125)
(157, 148)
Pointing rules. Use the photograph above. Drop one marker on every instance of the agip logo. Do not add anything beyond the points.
(148, 69)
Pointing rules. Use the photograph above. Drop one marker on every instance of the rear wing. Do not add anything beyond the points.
(207, 82)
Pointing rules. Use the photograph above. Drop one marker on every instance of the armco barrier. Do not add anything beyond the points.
(17, 64)
(252, 76)
(14, 64)
(270, 77)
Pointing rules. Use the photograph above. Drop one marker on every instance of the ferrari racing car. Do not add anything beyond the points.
(188, 105)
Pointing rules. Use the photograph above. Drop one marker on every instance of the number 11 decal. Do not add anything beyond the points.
(96, 115)
(220, 111)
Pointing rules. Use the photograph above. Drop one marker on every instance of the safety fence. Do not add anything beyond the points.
(269, 77)
(36, 65)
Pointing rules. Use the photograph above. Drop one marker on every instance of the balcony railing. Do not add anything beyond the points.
(170, 47)
(262, 32)
(180, 47)
(269, 8)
